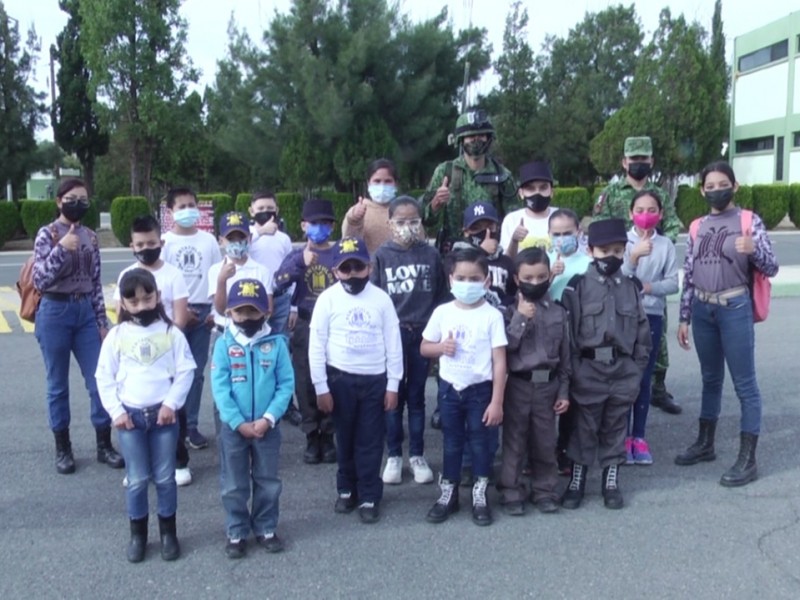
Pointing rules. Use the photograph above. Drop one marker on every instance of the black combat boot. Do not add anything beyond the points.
(170, 549)
(327, 448)
(481, 513)
(660, 397)
(612, 495)
(703, 448)
(744, 470)
(573, 495)
(65, 462)
(105, 451)
(447, 503)
(138, 543)
(312, 455)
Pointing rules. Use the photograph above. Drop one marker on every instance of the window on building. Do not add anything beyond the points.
(779, 160)
(796, 142)
(764, 56)
(755, 145)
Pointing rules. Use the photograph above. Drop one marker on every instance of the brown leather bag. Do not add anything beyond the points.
(28, 294)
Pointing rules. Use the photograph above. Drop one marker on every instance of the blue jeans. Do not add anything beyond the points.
(725, 334)
(638, 416)
(359, 422)
(462, 424)
(411, 395)
(280, 313)
(245, 465)
(64, 328)
(149, 451)
(199, 338)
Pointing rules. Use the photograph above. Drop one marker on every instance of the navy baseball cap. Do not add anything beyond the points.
(350, 248)
(478, 212)
(233, 221)
(248, 292)
(537, 170)
(317, 209)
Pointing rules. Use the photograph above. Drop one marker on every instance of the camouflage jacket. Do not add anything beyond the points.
(615, 202)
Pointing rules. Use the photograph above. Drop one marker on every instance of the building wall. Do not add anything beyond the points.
(759, 168)
(753, 105)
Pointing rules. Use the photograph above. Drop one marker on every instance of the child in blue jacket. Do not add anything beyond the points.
(252, 380)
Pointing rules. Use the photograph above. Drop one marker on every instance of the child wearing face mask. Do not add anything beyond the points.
(610, 348)
(252, 380)
(356, 360)
(650, 257)
(527, 226)
(468, 337)
(410, 270)
(537, 388)
(369, 218)
(143, 376)
(567, 256)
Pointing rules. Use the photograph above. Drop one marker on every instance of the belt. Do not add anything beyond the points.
(605, 354)
(535, 375)
(64, 297)
(722, 297)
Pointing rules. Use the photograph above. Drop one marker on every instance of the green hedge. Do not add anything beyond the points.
(771, 203)
(124, 210)
(290, 207)
(342, 201)
(690, 204)
(35, 214)
(744, 197)
(576, 198)
(242, 203)
(222, 204)
(794, 204)
(9, 221)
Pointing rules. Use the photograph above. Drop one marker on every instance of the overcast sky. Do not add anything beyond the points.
(208, 19)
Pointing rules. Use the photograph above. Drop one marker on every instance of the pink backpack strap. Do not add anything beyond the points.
(746, 217)
(694, 227)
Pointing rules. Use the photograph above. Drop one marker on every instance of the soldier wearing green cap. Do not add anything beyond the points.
(471, 177)
(615, 201)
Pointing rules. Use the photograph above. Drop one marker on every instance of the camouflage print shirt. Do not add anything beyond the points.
(468, 192)
(615, 202)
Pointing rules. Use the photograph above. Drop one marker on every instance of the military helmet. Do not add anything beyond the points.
(474, 122)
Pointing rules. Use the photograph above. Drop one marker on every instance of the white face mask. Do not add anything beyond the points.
(382, 193)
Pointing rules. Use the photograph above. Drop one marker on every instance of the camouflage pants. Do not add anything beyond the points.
(662, 361)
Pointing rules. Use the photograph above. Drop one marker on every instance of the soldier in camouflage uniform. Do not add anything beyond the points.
(471, 177)
(615, 201)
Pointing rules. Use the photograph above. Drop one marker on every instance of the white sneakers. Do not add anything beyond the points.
(393, 471)
(183, 476)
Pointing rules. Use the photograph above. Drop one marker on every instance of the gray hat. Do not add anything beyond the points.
(638, 146)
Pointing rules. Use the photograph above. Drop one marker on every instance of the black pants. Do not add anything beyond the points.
(313, 418)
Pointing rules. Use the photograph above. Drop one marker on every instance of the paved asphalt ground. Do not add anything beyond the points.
(681, 535)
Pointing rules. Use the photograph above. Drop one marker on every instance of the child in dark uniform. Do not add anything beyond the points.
(610, 349)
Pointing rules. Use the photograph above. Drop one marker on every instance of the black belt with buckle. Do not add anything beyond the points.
(64, 297)
(606, 354)
(535, 375)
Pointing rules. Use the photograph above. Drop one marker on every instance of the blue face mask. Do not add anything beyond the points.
(468, 292)
(565, 244)
(186, 217)
(382, 193)
(237, 249)
(319, 232)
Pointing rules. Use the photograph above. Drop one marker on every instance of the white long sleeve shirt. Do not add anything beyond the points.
(358, 334)
(142, 366)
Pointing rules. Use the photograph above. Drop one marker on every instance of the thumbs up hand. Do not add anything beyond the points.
(521, 232)
(489, 244)
(359, 210)
(525, 307)
(442, 195)
(744, 244)
(309, 256)
(558, 266)
(71, 241)
(449, 346)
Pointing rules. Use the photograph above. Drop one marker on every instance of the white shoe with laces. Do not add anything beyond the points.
(422, 472)
(393, 471)
(183, 477)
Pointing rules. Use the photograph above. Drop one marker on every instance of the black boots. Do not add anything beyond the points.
(660, 397)
(327, 448)
(170, 549)
(744, 470)
(612, 496)
(447, 503)
(138, 543)
(105, 451)
(65, 462)
(312, 454)
(481, 514)
(703, 449)
(573, 496)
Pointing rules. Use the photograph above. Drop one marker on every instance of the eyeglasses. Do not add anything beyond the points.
(351, 267)
(76, 200)
(409, 222)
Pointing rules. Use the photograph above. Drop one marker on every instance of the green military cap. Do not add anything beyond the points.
(638, 146)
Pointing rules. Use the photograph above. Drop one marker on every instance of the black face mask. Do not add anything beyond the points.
(533, 291)
(639, 170)
(477, 148)
(537, 202)
(719, 199)
(265, 216)
(148, 256)
(355, 285)
(608, 265)
(74, 211)
(250, 327)
(146, 317)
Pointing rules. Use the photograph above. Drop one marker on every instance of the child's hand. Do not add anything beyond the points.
(227, 271)
(359, 210)
(325, 403)
(493, 414)
(526, 308)
(449, 346)
(744, 244)
(166, 416)
(558, 266)
(521, 232)
(561, 406)
(268, 228)
(643, 248)
(123, 422)
(192, 321)
(246, 430)
(489, 244)
(261, 427)
(390, 400)
(683, 336)
(309, 256)
(290, 324)
(647, 288)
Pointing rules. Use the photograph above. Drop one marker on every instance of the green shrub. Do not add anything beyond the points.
(690, 204)
(418, 193)
(771, 203)
(794, 204)
(574, 198)
(290, 207)
(92, 217)
(35, 214)
(124, 210)
(242, 203)
(222, 204)
(342, 201)
(9, 221)
(744, 197)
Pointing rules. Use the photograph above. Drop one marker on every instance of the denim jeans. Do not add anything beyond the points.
(359, 422)
(249, 466)
(64, 328)
(199, 338)
(280, 313)
(411, 396)
(638, 419)
(725, 334)
(149, 451)
(462, 423)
